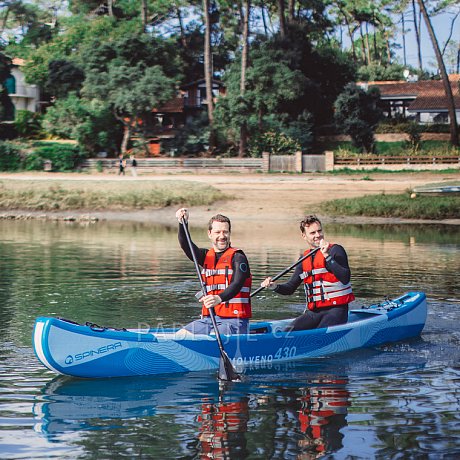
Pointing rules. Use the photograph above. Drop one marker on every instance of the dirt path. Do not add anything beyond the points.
(256, 197)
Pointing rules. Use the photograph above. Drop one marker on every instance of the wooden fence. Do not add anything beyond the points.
(411, 162)
(160, 165)
(296, 163)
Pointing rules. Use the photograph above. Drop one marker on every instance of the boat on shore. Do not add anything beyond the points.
(441, 190)
(91, 351)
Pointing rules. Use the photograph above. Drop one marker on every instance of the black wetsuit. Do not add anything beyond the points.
(336, 263)
(240, 265)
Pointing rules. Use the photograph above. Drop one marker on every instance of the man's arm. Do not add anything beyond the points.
(292, 284)
(337, 263)
(200, 254)
(241, 272)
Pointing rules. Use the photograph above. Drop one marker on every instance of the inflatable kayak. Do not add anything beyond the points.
(92, 351)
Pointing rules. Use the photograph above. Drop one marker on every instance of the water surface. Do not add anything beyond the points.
(395, 401)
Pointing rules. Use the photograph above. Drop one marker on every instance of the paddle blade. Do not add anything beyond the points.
(226, 369)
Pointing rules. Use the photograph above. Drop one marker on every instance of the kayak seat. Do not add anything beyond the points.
(359, 314)
(259, 330)
(270, 327)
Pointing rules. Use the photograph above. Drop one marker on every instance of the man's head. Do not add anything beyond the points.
(219, 229)
(312, 231)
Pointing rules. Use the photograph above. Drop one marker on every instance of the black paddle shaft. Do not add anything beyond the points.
(226, 369)
(280, 274)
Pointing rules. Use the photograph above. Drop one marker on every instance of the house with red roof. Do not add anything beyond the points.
(423, 101)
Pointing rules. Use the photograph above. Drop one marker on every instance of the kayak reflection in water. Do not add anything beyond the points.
(223, 428)
(322, 416)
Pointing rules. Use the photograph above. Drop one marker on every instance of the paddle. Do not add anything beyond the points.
(226, 369)
(280, 274)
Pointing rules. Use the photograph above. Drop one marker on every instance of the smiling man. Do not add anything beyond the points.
(226, 273)
(326, 279)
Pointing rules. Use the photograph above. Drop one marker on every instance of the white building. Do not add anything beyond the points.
(23, 96)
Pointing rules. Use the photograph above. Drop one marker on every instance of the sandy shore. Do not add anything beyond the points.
(254, 198)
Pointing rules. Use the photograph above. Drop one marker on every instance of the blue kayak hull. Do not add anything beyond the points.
(85, 351)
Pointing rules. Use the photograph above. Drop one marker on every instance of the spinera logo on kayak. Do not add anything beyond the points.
(70, 359)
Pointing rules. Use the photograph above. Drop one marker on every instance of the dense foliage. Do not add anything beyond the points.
(105, 68)
(63, 157)
(10, 157)
(357, 114)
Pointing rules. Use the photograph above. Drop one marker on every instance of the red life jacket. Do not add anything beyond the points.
(323, 288)
(217, 277)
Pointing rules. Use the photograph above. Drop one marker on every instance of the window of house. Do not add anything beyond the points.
(10, 84)
(441, 117)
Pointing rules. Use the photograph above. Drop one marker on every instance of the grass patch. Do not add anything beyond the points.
(401, 206)
(104, 195)
(353, 172)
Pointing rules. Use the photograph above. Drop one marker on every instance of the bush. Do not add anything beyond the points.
(273, 142)
(64, 157)
(33, 162)
(28, 124)
(10, 157)
(414, 130)
(90, 123)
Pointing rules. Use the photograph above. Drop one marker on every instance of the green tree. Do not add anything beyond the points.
(357, 114)
(90, 123)
(270, 83)
(64, 77)
(133, 75)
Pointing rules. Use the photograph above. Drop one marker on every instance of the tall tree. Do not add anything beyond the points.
(445, 77)
(244, 66)
(133, 74)
(417, 35)
(282, 17)
(208, 71)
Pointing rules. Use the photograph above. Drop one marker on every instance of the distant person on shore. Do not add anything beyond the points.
(326, 279)
(121, 165)
(133, 166)
(226, 273)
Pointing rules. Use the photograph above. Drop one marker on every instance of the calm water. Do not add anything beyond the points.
(397, 401)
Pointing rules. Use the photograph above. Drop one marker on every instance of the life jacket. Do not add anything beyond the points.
(322, 288)
(217, 277)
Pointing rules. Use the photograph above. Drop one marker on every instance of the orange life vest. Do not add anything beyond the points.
(217, 277)
(323, 288)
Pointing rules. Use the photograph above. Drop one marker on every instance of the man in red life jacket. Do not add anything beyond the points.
(226, 273)
(326, 279)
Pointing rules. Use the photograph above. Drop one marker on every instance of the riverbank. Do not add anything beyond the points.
(251, 197)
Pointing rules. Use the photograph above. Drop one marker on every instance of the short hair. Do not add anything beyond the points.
(307, 221)
(219, 218)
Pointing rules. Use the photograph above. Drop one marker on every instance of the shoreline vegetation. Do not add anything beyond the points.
(32, 198)
(395, 206)
(107, 196)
